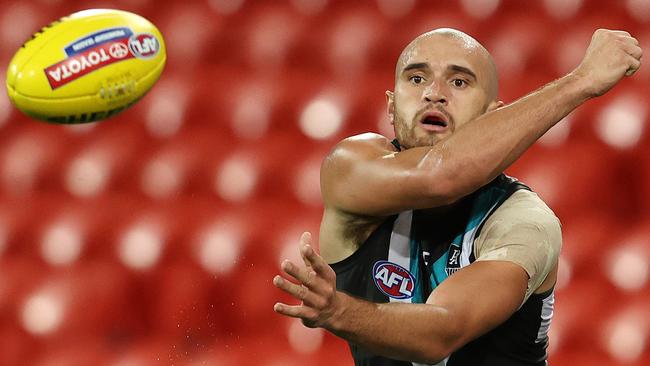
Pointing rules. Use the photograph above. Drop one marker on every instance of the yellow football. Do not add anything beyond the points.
(87, 66)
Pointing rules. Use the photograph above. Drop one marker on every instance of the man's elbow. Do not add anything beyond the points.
(440, 189)
(433, 354)
(433, 358)
(446, 186)
(443, 342)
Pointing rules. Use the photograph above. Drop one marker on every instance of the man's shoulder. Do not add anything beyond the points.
(525, 205)
(351, 151)
(523, 211)
(366, 138)
(342, 231)
(523, 230)
(360, 145)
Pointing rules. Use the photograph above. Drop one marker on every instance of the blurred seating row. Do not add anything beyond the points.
(39, 158)
(113, 311)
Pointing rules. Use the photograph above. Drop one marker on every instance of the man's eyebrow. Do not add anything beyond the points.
(462, 69)
(416, 66)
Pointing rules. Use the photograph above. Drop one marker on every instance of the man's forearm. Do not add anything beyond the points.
(410, 332)
(480, 150)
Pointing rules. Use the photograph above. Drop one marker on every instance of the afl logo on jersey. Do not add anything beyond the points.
(393, 280)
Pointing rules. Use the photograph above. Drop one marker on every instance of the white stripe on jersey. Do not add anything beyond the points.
(547, 315)
(399, 250)
(470, 236)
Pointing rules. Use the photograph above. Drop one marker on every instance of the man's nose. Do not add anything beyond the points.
(434, 94)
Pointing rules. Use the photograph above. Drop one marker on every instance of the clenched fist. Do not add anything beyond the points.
(611, 55)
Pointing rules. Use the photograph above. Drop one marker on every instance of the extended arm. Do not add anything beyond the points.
(413, 332)
(450, 318)
(363, 168)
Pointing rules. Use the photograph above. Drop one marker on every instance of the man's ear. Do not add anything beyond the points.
(390, 105)
(495, 105)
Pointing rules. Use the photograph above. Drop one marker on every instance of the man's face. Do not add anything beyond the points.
(442, 82)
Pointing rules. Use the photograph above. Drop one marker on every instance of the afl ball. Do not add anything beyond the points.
(86, 67)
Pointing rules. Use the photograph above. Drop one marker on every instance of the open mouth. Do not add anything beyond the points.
(434, 121)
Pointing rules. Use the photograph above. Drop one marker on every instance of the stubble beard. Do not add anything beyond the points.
(406, 135)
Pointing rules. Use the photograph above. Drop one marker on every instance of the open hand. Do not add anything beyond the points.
(316, 288)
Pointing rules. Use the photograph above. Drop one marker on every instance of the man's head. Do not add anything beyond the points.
(443, 79)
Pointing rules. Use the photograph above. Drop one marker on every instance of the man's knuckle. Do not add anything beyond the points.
(311, 316)
(302, 292)
(311, 277)
(321, 303)
(331, 275)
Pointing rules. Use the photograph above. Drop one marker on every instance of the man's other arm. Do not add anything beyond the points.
(365, 167)
(411, 332)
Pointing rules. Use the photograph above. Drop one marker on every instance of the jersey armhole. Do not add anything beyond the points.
(350, 262)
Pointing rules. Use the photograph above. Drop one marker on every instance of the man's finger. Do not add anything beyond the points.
(621, 32)
(297, 291)
(316, 285)
(301, 293)
(634, 51)
(306, 277)
(317, 262)
(305, 239)
(295, 311)
(631, 39)
(635, 64)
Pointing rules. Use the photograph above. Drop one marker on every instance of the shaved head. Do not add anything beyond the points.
(464, 41)
(443, 79)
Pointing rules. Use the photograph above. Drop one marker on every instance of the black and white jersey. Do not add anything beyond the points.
(411, 253)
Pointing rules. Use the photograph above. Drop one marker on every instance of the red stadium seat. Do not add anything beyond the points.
(576, 306)
(570, 180)
(582, 357)
(32, 158)
(587, 240)
(18, 346)
(180, 308)
(627, 262)
(18, 278)
(72, 352)
(625, 334)
(58, 306)
(147, 349)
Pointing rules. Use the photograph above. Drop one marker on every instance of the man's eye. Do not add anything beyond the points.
(416, 79)
(459, 83)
